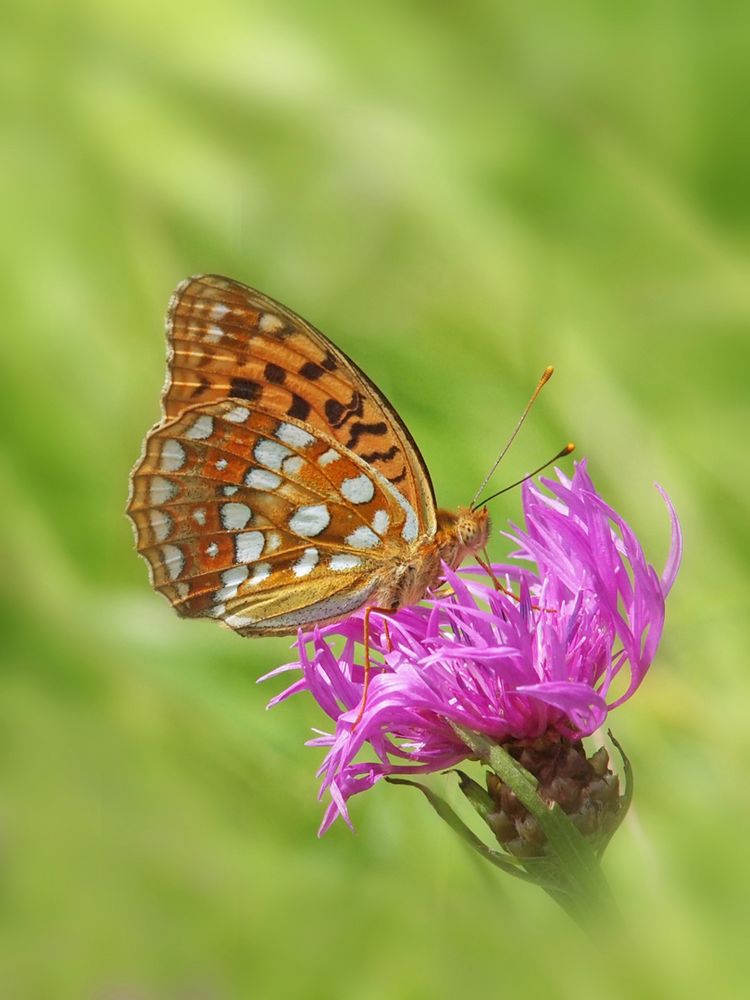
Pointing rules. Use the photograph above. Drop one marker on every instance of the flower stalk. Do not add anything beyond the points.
(560, 859)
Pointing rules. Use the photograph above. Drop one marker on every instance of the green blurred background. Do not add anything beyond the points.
(458, 195)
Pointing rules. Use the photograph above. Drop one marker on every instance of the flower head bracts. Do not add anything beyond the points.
(585, 618)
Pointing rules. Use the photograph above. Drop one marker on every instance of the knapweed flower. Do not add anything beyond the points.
(559, 635)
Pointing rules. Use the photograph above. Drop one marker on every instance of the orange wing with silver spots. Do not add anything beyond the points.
(281, 485)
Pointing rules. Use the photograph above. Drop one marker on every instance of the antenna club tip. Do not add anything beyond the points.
(570, 446)
(547, 374)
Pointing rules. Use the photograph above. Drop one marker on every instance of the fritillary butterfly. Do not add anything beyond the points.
(281, 489)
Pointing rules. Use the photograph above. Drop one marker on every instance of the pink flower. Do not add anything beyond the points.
(573, 644)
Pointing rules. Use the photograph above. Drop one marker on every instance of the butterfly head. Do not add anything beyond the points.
(461, 533)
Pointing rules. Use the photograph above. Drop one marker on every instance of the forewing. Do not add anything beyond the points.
(264, 523)
(227, 340)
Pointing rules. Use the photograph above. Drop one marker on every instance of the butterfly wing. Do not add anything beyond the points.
(228, 340)
(280, 486)
(264, 523)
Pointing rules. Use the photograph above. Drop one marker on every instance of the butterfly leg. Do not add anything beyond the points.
(487, 567)
(387, 631)
(368, 671)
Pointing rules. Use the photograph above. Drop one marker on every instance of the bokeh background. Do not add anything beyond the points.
(458, 194)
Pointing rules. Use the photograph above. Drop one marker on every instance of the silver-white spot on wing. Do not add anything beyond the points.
(262, 479)
(221, 464)
(218, 310)
(173, 559)
(380, 521)
(212, 550)
(201, 429)
(214, 334)
(199, 516)
(234, 516)
(261, 571)
(310, 521)
(161, 524)
(229, 491)
(362, 538)
(270, 453)
(306, 562)
(269, 323)
(292, 435)
(343, 561)
(234, 575)
(410, 529)
(273, 541)
(172, 456)
(231, 578)
(291, 466)
(248, 546)
(161, 490)
(238, 415)
(329, 456)
(359, 489)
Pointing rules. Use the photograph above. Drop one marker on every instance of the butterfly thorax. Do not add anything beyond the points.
(459, 534)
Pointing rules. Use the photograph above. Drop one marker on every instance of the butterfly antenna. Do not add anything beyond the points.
(546, 376)
(561, 454)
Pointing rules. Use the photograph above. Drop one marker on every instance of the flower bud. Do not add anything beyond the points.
(583, 787)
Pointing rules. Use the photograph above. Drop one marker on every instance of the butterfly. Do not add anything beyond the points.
(281, 489)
